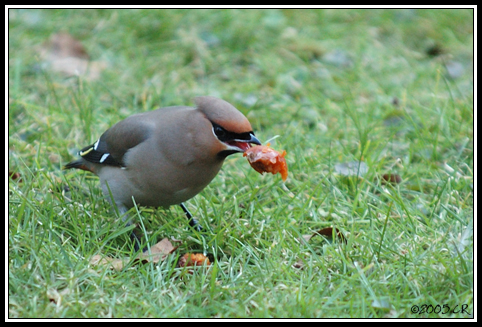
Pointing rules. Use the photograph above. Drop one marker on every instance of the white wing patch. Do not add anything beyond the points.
(104, 156)
(96, 144)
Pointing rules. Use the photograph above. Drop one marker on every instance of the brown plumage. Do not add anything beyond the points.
(166, 156)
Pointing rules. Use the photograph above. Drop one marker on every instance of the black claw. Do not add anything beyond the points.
(195, 224)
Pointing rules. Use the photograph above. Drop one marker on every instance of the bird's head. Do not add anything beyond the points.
(230, 127)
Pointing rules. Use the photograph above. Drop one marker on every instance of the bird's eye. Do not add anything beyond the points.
(219, 131)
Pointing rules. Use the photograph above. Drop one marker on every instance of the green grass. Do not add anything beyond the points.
(336, 85)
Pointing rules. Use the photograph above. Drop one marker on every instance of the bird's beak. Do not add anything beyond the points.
(253, 140)
(244, 145)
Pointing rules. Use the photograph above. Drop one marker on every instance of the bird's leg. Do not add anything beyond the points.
(136, 239)
(195, 224)
(192, 221)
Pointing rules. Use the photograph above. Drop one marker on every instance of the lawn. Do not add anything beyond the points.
(374, 108)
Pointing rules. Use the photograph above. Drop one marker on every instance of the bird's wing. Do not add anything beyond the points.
(111, 147)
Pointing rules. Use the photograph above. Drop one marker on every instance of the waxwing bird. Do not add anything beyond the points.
(166, 156)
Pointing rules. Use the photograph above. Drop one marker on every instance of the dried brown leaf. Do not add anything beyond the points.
(158, 253)
(63, 45)
(15, 176)
(326, 232)
(391, 179)
(113, 263)
(65, 54)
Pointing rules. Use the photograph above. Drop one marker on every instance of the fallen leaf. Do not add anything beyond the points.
(327, 232)
(63, 45)
(113, 263)
(15, 176)
(158, 253)
(65, 54)
(352, 168)
(391, 179)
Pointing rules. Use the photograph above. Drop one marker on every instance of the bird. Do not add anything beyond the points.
(166, 156)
